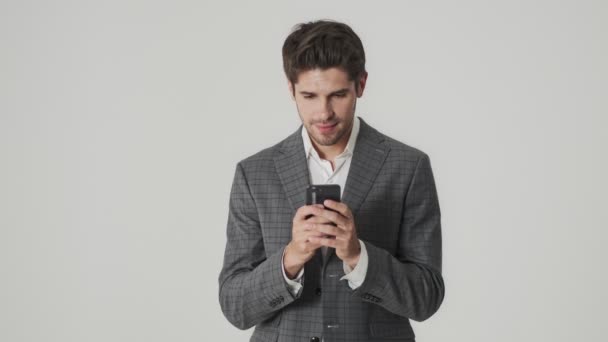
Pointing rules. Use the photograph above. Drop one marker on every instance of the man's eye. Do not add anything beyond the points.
(340, 95)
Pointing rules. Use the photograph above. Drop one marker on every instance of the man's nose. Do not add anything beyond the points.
(326, 109)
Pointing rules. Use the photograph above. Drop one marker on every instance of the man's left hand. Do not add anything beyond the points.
(342, 236)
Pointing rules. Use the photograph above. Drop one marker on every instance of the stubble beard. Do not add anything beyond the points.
(325, 140)
(329, 140)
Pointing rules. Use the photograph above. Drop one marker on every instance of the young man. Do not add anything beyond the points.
(359, 271)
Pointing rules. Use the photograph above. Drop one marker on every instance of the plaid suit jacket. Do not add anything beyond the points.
(391, 192)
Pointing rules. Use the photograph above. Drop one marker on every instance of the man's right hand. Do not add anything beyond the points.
(300, 250)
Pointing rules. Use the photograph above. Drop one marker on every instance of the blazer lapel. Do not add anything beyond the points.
(368, 158)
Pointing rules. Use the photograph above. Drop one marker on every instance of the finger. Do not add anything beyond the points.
(312, 241)
(328, 230)
(308, 240)
(318, 219)
(303, 238)
(325, 241)
(334, 217)
(306, 210)
(310, 233)
(308, 225)
(340, 207)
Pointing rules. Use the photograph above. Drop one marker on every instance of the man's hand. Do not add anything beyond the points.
(342, 236)
(301, 249)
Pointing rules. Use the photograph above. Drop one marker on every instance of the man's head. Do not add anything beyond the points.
(324, 62)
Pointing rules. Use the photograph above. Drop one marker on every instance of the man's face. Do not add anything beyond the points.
(326, 102)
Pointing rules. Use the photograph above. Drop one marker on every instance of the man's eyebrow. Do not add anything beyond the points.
(343, 90)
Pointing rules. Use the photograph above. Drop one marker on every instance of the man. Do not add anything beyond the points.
(354, 270)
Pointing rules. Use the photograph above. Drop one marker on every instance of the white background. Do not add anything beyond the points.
(121, 123)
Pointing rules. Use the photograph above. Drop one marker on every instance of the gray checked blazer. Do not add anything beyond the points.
(391, 191)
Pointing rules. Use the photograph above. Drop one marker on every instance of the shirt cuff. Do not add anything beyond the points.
(356, 276)
(294, 285)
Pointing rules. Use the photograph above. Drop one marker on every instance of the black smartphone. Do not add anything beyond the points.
(317, 194)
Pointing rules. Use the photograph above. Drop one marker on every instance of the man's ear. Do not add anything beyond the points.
(361, 84)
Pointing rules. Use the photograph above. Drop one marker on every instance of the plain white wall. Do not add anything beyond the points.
(121, 123)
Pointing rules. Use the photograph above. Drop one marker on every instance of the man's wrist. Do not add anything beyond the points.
(291, 268)
(352, 262)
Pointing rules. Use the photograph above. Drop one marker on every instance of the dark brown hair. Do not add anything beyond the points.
(323, 44)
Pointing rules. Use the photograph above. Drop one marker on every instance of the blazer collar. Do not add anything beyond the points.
(368, 157)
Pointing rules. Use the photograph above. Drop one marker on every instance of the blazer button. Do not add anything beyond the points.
(318, 291)
(315, 339)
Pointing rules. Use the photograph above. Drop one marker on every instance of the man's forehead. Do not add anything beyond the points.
(324, 81)
(330, 74)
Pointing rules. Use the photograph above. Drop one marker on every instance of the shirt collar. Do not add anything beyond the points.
(350, 145)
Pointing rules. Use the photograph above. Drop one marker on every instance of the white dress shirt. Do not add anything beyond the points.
(321, 173)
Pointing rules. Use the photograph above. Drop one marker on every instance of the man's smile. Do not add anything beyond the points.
(327, 128)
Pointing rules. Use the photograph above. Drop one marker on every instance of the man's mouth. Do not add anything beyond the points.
(327, 128)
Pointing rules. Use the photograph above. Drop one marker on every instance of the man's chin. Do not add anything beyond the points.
(326, 140)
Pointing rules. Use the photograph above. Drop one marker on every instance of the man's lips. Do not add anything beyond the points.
(327, 128)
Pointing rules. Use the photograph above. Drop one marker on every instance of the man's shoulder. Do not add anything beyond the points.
(398, 148)
(265, 157)
(405, 152)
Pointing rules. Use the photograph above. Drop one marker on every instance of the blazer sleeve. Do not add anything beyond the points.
(409, 283)
(251, 284)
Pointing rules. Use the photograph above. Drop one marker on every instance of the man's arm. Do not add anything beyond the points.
(295, 285)
(356, 276)
(251, 284)
(410, 284)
